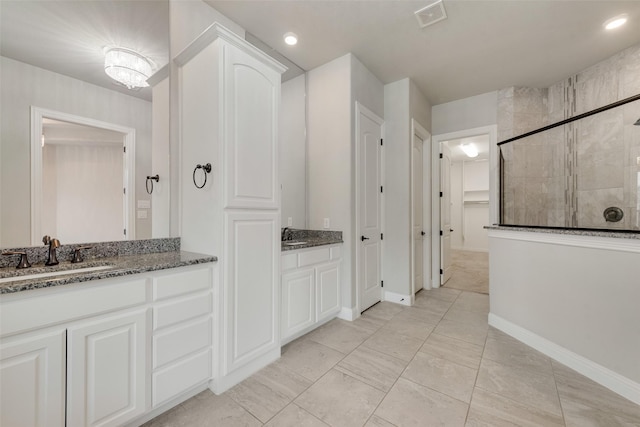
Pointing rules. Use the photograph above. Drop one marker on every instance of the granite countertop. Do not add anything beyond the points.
(117, 266)
(568, 231)
(308, 243)
(294, 238)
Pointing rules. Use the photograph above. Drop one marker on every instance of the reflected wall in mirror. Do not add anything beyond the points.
(52, 58)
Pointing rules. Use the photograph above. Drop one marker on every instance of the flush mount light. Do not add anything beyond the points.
(127, 67)
(469, 149)
(290, 39)
(615, 22)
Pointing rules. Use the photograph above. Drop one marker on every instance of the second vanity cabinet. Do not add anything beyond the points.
(107, 352)
(310, 289)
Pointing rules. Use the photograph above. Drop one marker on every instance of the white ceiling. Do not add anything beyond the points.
(482, 46)
(69, 37)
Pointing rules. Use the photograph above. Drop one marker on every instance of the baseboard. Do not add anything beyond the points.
(224, 383)
(613, 381)
(398, 298)
(168, 405)
(349, 314)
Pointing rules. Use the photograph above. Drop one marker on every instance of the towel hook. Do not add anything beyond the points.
(155, 178)
(206, 169)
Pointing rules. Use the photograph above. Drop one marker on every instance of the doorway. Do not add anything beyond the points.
(458, 205)
(420, 208)
(369, 191)
(82, 178)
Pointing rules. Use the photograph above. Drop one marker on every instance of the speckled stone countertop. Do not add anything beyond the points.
(107, 259)
(568, 231)
(301, 239)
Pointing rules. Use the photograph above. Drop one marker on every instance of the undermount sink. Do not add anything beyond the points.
(294, 243)
(54, 273)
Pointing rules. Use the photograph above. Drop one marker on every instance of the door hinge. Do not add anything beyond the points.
(124, 149)
(441, 232)
(381, 190)
(440, 155)
(124, 191)
(381, 236)
(381, 142)
(382, 283)
(441, 194)
(441, 272)
(125, 231)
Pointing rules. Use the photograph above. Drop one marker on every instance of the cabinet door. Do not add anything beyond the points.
(327, 290)
(298, 301)
(251, 288)
(106, 363)
(32, 379)
(252, 99)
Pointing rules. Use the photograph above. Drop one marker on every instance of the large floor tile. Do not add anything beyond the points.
(582, 396)
(208, 409)
(415, 328)
(467, 317)
(475, 334)
(527, 387)
(419, 314)
(435, 305)
(340, 335)
(372, 367)
(394, 344)
(376, 421)
(370, 322)
(441, 293)
(472, 301)
(492, 410)
(384, 310)
(293, 415)
(457, 351)
(410, 404)
(340, 400)
(513, 352)
(442, 375)
(267, 392)
(308, 358)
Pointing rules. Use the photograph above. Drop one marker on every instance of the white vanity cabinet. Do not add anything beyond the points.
(229, 104)
(106, 352)
(310, 284)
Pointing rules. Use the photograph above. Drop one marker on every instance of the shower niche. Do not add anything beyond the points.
(582, 172)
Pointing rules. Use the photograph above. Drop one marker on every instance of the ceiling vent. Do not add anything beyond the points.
(431, 14)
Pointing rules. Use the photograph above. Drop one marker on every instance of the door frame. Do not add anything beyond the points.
(128, 173)
(437, 140)
(359, 108)
(417, 129)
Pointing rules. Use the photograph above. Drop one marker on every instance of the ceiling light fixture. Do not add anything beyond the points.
(469, 149)
(127, 67)
(616, 21)
(291, 39)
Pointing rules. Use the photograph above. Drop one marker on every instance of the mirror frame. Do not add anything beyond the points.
(37, 115)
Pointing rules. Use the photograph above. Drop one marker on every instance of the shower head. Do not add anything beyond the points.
(637, 123)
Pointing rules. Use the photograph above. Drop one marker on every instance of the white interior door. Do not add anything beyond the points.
(445, 214)
(369, 134)
(417, 214)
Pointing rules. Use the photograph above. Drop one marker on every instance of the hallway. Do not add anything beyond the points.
(470, 271)
(436, 363)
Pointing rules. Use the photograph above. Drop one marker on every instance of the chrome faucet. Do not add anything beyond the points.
(53, 244)
(284, 233)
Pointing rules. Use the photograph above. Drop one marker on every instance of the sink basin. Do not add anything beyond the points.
(294, 243)
(54, 273)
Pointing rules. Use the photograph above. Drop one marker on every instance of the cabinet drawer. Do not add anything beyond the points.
(180, 283)
(178, 310)
(177, 378)
(314, 257)
(181, 341)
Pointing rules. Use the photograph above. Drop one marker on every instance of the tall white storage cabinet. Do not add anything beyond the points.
(229, 103)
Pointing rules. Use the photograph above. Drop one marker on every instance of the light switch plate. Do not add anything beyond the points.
(144, 204)
(327, 223)
(142, 214)
(289, 222)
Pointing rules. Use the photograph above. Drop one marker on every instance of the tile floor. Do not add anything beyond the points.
(470, 271)
(437, 363)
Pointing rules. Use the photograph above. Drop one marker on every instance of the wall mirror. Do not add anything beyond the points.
(53, 63)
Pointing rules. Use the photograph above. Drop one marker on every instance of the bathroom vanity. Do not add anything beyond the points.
(106, 347)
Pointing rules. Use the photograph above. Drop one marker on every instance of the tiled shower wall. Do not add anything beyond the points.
(567, 176)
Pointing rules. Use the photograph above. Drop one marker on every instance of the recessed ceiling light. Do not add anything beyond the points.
(616, 21)
(469, 149)
(290, 39)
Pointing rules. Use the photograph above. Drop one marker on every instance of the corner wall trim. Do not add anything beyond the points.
(398, 298)
(598, 373)
(349, 314)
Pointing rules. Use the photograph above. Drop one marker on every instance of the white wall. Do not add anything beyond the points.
(24, 85)
(293, 152)
(402, 102)
(579, 293)
(469, 219)
(160, 157)
(468, 113)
